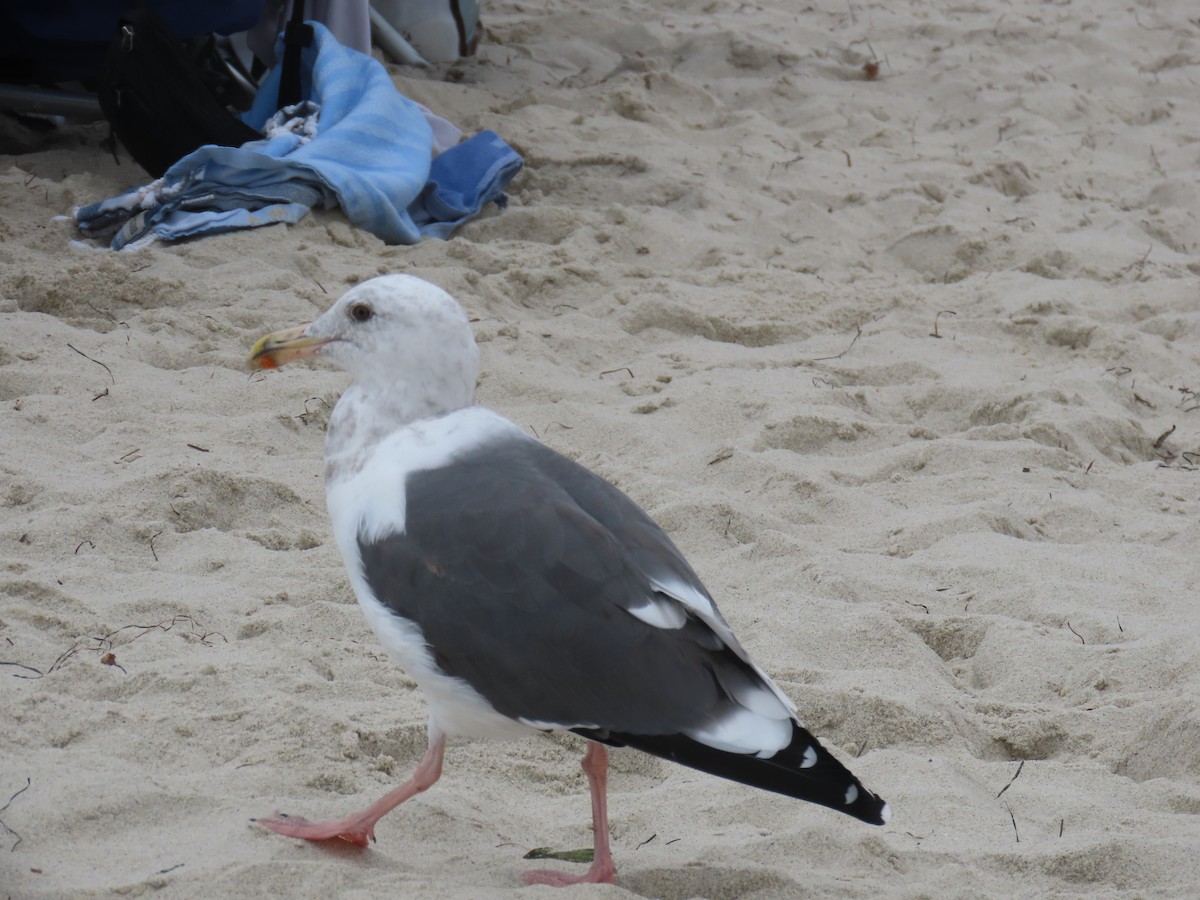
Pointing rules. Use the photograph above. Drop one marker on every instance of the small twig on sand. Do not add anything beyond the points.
(37, 673)
(1162, 437)
(28, 782)
(853, 341)
(197, 631)
(1011, 780)
(1139, 264)
(944, 312)
(96, 361)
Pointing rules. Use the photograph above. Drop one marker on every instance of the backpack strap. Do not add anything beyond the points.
(296, 36)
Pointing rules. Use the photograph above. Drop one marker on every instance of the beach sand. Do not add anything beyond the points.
(908, 366)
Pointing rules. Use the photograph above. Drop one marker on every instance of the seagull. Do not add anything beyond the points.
(522, 592)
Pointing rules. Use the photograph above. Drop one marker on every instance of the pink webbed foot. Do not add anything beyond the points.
(359, 828)
(598, 873)
(351, 829)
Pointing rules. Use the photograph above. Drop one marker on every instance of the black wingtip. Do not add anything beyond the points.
(803, 769)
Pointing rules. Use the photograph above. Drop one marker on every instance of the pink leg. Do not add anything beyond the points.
(359, 828)
(602, 870)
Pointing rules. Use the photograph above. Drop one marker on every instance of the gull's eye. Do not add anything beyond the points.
(360, 312)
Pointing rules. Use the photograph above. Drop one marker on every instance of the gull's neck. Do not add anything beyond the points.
(362, 418)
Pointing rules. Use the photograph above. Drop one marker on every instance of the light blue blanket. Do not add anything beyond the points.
(356, 142)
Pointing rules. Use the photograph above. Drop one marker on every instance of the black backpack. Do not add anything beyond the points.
(156, 98)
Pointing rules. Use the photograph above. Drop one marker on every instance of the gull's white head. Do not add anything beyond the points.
(406, 342)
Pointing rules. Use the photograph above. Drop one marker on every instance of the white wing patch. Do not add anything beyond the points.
(555, 726)
(661, 612)
(753, 694)
(738, 730)
(695, 600)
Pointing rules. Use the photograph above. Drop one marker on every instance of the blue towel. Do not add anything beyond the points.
(463, 180)
(370, 154)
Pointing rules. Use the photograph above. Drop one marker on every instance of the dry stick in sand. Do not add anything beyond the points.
(198, 632)
(106, 315)
(944, 312)
(304, 416)
(1011, 780)
(1139, 264)
(96, 361)
(104, 645)
(63, 657)
(38, 673)
(28, 782)
(622, 369)
(853, 341)
(1162, 437)
(1189, 396)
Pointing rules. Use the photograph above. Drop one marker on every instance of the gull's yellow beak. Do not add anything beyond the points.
(282, 347)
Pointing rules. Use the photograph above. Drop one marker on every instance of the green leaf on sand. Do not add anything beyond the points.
(576, 856)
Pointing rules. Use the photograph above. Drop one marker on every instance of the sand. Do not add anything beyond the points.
(908, 366)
